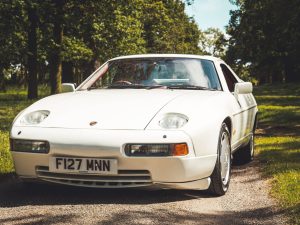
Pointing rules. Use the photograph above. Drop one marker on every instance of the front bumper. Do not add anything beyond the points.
(183, 172)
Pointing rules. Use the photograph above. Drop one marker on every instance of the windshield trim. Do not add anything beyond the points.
(107, 64)
(82, 87)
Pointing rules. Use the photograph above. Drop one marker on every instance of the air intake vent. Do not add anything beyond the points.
(124, 178)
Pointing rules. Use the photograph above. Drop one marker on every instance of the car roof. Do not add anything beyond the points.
(212, 58)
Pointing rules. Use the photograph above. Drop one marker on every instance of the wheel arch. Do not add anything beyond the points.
(228, 123)
(255, 122)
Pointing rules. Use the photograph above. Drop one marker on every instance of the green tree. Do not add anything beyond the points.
(32, 49)
(56, 41)
(213, 42)
(264, 35)
(12, 36)
(167, 29)
(55, 59)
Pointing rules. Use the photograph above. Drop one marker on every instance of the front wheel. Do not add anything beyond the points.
(220, 177)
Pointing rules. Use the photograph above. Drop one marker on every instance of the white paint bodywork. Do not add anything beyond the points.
(132, 116)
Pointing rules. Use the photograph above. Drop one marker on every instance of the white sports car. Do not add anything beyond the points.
(165, 120)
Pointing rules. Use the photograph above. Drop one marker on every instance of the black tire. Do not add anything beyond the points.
(245, 154)
(219, 185)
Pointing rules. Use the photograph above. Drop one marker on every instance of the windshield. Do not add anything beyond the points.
(155, 73)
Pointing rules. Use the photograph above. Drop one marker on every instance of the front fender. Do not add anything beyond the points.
(206, 116)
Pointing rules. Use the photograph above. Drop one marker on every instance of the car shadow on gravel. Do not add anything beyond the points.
(14, 193)
(164, 216)
(39, 219)
(157, 216)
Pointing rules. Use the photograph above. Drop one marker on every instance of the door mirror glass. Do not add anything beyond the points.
(243, 88)
(67, 87)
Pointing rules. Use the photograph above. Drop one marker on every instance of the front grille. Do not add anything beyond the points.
(124, 178)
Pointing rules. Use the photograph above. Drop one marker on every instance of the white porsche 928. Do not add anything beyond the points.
(171, 121)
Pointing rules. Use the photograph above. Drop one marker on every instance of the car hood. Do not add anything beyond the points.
(104, 109)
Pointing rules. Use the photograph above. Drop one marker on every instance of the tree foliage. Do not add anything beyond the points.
(167, 29)
(12, 32)
(54, 40)
(213, 42)
(265, 39)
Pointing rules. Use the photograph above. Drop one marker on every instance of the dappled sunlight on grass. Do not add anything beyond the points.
(279, 148)
(280, 157)
(282, 152)
(279, 109)
(284, 116)
(279, 100)
(278, 90)
(279, 105)
(6, 165)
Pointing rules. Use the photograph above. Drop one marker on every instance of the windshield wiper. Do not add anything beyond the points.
(124, 86)
(133, 86)
(91, 88)
(141, 86)
(190, 87)
(155, 86)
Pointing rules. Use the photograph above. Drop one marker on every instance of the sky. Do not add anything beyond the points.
(210, 13)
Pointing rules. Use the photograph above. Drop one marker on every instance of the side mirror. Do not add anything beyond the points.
(243, 88)
(67, 87)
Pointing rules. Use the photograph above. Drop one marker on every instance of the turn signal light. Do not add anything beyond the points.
(157, 150)
(180, 149)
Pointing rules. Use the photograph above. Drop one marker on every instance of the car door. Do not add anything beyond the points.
(242, 117)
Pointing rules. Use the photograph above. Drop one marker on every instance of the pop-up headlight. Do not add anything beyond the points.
(173, 121)
(35, 117)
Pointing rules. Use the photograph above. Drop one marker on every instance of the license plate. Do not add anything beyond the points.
(83, 165)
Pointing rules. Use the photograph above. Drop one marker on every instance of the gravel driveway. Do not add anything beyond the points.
(247, 202)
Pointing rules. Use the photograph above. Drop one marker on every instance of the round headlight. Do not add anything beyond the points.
(35, 117)
(173, 121)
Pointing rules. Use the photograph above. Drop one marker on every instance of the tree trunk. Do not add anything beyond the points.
(67, 72)
(56, 55)
(32, 53)
(2, 81)
(291, 75)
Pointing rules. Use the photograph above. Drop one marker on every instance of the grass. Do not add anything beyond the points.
(6, 165)
(277, 144)
(280, 157)
(12, 102)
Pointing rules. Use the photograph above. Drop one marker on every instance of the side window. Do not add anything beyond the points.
(229, 77)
